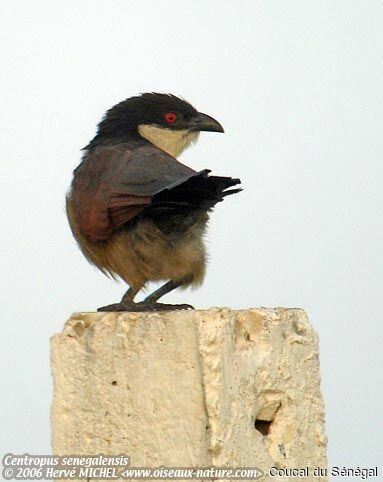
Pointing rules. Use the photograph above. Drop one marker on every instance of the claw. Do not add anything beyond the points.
(114, 307)
(144, 306)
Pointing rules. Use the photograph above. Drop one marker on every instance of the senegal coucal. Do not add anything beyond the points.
(135, 211)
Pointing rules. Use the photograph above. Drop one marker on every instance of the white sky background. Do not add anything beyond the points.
(298, 87)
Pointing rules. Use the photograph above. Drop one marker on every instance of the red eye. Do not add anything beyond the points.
(170, 117)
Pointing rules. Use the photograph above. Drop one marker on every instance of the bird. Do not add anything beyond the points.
(136, 212)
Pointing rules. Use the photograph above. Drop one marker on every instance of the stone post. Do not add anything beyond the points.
(216, 387)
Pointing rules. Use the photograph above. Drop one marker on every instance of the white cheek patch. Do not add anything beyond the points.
(171, 141)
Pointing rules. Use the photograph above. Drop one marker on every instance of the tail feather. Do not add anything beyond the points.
(199, 191)
(183, 205)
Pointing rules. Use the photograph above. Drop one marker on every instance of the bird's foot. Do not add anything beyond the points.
(154, 306)
(117, 307)
(145, 306)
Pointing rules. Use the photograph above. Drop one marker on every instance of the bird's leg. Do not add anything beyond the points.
(151, 301)
(163, 290)
(126, 303)
(129, 296)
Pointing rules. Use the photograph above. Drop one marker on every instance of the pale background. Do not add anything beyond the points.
(298, 86)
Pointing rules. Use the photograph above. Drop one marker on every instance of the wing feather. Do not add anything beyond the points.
(116, 183)
(113, 184)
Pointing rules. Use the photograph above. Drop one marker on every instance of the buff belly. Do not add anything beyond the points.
(144, 252)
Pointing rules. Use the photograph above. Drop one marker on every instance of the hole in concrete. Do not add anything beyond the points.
(270, 403)
(263, 426)
(114, 382)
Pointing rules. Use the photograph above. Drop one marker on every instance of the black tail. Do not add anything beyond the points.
(200, 191)
(183, 204)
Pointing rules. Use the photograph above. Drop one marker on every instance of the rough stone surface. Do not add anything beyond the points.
(189, 389)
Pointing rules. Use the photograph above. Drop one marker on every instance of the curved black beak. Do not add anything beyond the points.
(203, 122)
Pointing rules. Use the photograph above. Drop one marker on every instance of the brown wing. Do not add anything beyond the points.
(115, 183)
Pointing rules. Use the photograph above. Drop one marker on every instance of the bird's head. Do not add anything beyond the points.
(168, 122)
